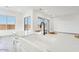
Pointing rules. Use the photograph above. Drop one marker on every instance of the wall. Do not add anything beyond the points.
(20, 23)
(67, 23)
(51, 25)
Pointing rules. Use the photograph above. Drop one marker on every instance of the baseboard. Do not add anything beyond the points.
(67, 33)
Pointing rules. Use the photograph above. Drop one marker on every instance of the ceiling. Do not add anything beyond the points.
(52, 11)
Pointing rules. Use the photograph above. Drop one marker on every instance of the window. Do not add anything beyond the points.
(11, 22)
(7, 22)
(3, 23)
(42, 20)
(27, 23)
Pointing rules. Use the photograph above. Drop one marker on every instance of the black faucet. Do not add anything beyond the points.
(43, 24)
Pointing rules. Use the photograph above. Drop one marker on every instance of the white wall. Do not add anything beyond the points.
(51, 25)
(67, 23)
(20, 23)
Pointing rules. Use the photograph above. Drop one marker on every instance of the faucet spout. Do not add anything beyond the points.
(42, 25)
